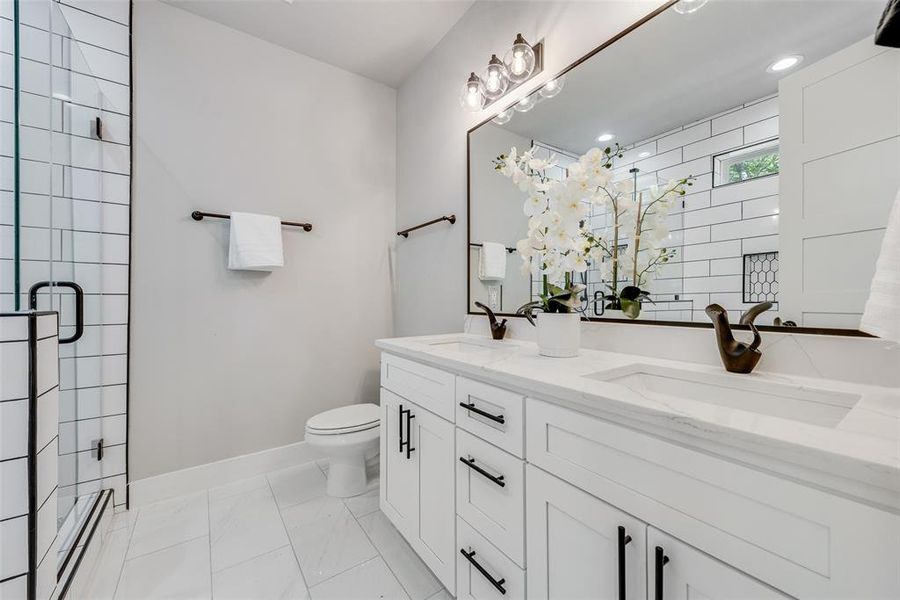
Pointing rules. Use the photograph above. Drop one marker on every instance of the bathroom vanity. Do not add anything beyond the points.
(619, 476)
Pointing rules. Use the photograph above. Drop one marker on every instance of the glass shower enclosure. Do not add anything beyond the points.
(55, 116)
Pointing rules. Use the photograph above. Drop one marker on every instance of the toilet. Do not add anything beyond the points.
(346, 436)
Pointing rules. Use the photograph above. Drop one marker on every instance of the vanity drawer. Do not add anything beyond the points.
(805, 542)
(490, 493)
(491, 413)
(430, 388)
(479, 576)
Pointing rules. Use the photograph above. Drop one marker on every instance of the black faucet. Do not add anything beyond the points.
(737, 357)
(498, 330)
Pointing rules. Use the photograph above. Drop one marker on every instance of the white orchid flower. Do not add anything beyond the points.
(535, 205)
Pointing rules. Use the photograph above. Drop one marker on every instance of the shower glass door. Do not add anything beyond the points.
(57, 185)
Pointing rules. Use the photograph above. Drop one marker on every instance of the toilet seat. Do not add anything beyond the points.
(346, 419)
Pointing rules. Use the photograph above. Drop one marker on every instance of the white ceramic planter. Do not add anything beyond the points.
(558, 334)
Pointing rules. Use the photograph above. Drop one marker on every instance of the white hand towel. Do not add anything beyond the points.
(255, 242)
(881, 316)
(492, 262)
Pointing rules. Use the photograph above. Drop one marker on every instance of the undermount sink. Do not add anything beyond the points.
(825, 408)
(468, 345)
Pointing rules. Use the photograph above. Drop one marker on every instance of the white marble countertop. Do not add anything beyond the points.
(859, 457)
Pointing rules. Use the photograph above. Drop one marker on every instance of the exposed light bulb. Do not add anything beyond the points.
(495, 79)
(552, 87)
(472, 98)
(525, 104)
(504, 117)
(783, 64)
(519, 60)
(686, 7)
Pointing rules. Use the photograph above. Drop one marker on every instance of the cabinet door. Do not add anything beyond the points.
(399, 473)
(434, 451)
(574, 549)
(677, 571)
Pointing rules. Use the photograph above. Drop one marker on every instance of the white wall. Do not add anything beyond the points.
(431, 138)
(227, 363)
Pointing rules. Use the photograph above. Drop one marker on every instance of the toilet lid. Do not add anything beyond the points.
(354, 417)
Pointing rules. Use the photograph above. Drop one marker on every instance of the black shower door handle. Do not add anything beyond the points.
(79, 305)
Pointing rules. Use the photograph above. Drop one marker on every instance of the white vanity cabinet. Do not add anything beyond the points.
(525, 498)
(417, 490)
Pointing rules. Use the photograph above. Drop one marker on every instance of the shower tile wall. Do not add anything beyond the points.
(81, 222)
(717, 225)
(16, 405)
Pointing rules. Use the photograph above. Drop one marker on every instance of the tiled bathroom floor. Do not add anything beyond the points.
(269, 537)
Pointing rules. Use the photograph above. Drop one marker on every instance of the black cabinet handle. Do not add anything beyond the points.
(472, 408)
(79, 305)
(405, 443)
(470, 462)
(470, 556)
(409, 448)
(660, 562)
(623, 541)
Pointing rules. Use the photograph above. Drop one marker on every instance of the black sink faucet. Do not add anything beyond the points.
(498, 330)
(737, 357)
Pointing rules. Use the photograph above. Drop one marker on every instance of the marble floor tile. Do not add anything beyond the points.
(297, 484)
(414, 576)
(272, 576)
(244, 526)
(326, 538)
(102, 583)
(365, 503)
(168, 523)
(238, 487)
(124, 519)
(180, 571)
(368, 581)
(442, 595)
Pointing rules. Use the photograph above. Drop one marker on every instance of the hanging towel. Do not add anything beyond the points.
(255, 242)
(881, 316)
(492, 262)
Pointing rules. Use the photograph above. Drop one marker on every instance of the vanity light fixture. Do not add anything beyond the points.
(686, 7)
(605, 137)
(552, 87)
(495, 79)
(472, 97)
(785, 63)
(519, 64)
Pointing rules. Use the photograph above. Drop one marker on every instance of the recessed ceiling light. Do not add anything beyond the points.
(644, 154)
(785, 63)
(605, 137)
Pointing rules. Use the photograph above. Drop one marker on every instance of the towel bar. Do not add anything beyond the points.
(451, 218)
(198, 215)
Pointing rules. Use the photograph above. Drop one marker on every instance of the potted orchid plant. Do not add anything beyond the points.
(560, 245)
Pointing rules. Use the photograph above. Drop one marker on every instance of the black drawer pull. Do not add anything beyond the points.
(471, 408)
(624, 540)
(470, 556)
(470, 462)
(661, 561)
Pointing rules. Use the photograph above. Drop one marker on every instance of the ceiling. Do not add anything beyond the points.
(677, 68)
(383, 40)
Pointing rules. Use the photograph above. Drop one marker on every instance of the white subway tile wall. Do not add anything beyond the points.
(716, 226)
(75, 211)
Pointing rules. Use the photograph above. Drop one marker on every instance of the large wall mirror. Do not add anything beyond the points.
(786, 116)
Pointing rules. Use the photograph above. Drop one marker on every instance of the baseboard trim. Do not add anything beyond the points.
(195, 479)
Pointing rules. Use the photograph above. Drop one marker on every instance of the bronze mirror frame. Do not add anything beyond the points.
(507, 106)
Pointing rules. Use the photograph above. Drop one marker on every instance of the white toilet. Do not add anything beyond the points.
(346, 436)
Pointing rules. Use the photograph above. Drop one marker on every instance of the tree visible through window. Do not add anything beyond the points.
(749, 162)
